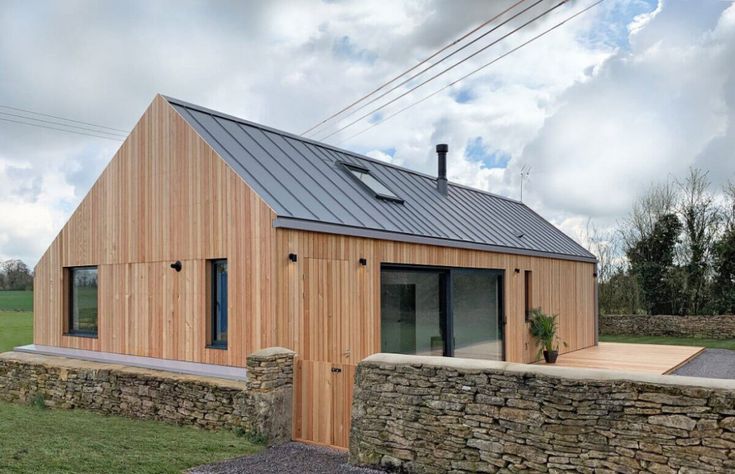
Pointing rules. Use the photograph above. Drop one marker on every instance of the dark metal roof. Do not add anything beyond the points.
(306, 184)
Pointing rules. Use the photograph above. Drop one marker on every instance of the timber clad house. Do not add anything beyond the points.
(207, 238)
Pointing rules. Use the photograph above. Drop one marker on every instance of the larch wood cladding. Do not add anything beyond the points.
(165, 196)
(562, 287)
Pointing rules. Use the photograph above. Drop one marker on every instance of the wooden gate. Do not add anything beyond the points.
(325, 370)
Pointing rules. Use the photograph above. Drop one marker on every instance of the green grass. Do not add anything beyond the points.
(55, 441)
(16, 300)
(16, 329)
(674, 341)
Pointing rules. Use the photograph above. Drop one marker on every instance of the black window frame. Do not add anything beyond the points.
(527, 293)
(351, 168)
(213, 343)
(70, 331)
(446, 309)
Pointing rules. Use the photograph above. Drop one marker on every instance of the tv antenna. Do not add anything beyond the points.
(525, 172)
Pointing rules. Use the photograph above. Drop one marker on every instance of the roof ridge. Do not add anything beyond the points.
(332, 147)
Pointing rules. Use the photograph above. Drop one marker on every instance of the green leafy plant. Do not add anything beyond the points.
(38, 401)
(543, 329)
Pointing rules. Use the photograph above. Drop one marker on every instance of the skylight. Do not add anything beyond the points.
(364, 176)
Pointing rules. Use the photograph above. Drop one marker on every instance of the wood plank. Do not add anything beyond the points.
(642, 358)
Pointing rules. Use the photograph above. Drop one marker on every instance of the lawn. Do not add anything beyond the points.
(674, 341)
(16, 319)
(50, 441)
(16, 301)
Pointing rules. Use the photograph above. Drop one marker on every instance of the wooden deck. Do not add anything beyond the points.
(642, 358)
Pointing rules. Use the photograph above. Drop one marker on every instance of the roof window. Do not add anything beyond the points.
(370, 182)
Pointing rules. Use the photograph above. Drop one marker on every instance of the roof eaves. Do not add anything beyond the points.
(339, 229)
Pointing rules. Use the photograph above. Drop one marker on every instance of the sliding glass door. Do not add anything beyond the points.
(442, 311)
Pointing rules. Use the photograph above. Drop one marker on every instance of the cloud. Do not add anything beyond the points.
(600, 107)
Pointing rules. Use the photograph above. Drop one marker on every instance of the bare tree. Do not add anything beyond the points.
(659, 200)
(700, 217)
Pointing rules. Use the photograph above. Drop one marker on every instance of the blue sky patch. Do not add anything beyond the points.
(344, 48)
(463, 95)
(612, 30)
(476, 150)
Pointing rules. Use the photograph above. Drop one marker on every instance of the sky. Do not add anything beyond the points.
(629, 93)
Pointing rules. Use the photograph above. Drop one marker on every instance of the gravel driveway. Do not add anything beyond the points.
(295, 458)
(712, 363)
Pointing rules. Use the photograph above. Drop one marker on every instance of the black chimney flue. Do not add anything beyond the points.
(441, 179)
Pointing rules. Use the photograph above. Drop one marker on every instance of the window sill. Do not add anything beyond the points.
(81, 334)
(220, 347)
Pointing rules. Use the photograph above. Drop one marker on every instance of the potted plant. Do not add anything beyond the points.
(543, 329)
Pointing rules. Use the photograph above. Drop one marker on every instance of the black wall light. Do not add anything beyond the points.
(363, 262)
(594, 275)
(176, 265)
(517, 270)
(293, 257)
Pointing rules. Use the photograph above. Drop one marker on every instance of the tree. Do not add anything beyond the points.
(652, 262)
(723, 287)
(17, 275)
(701, 218)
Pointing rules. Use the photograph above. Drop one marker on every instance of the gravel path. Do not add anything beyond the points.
(712, 363)
(289, 458)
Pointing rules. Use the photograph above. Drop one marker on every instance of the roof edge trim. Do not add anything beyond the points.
(339, 229)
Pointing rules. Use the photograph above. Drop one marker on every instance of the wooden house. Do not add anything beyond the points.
(208, 237)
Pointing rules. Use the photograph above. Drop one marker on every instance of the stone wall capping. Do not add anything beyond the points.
(552, 371)
(271, 352)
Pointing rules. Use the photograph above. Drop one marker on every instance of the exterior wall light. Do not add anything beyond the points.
(176, 265)
(363, 262)
(293, 257)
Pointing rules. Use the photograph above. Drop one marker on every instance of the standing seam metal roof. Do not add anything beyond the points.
(307, 187)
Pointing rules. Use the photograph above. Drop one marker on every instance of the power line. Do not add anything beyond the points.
(453, 43)
(506, 21)
(114, 134)
(63, 118)
(543, 33)
(60, 129)
(546, 12)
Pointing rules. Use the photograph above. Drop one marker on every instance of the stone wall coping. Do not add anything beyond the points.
(545, 370)
(272, 352)
(76, 364)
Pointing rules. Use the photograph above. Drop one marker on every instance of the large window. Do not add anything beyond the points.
(82, 301)
(442, 311)
(218, 317)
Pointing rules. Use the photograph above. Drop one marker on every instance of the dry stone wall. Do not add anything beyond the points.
(713, 327)
(260, 405)
(432, 415)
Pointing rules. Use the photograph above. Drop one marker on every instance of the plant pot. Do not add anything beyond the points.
(550, 356)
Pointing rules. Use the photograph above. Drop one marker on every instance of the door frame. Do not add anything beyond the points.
(445, 298)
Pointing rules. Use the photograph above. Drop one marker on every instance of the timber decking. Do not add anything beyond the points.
(621, 357)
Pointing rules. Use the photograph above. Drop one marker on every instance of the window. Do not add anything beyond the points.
(365, 178)
(452, 312)
(82, 301)
(218, 317)
(527, 293)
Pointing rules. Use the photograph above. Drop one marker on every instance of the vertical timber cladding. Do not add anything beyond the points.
(165, 196)
(328, 279)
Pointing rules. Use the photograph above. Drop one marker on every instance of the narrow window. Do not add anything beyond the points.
(527, 293)
(82, 301)
(218, 317)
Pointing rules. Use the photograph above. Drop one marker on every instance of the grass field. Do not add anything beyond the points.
(55, 441)
(16, 301)
(16, 319)
(674, 341)
(50, 441)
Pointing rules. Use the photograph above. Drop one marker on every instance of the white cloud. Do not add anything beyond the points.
(598, 108)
